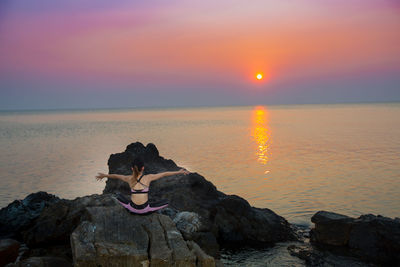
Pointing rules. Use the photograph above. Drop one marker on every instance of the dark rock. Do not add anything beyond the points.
(57, 221)
(317, 257)
(376, 238)
(331, 228)
(120, 163)
(208, 242)
(19, 214)
(370, 237)
(113, 236)
(230, 218)
(8, 251)
(310, 256)
(42, 262)
(55, 251)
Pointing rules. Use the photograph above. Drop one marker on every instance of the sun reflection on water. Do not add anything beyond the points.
(261, 133)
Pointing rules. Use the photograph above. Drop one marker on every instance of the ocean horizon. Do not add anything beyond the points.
(191, 106)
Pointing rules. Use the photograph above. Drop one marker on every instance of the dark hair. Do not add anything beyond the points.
(137, 165)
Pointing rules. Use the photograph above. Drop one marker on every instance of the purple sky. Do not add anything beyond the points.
(105, 54)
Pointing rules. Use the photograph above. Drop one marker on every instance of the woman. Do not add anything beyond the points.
(139, 184)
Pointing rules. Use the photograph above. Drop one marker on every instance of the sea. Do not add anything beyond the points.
(292, 159)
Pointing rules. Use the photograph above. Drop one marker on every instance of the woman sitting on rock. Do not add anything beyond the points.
(139, 185)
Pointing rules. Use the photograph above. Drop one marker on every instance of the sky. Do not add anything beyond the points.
(109, 54)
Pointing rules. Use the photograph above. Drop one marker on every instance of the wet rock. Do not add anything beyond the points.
(306, 253)
(316, 257)
(8, 251)
(370, 237)
(111, 236)
(229, 218)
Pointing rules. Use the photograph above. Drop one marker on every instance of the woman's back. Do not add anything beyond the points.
(140, 189)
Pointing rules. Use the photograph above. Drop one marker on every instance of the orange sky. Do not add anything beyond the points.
(198, 44)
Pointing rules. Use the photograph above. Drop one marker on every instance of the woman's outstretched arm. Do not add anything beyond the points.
(112, 176)
(165, 174)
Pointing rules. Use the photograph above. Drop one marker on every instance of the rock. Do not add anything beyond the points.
(203, 260)
(42, 262)
(316, 257)
(111, 236)
(187, 223)
(19, 214)
(203, 215)
(331, 228)
(54, 251)
(370, 237)
(58, 220)
(180, 251)
(306, 253)
(229, 218)
(120, 163)
(207, 242)
(8, 251)
(376, 238)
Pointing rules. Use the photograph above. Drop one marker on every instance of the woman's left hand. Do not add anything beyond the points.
(183, 171)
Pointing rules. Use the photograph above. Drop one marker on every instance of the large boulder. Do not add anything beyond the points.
(120, 163)
(373, 238)
(111, 236)
(20, 214)
(331, 228)
(229, 218)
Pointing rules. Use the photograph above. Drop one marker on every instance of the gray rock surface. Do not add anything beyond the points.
(187, 223)
(111, 236)
(203, 260)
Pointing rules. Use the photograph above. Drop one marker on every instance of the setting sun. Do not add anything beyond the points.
(259, 76)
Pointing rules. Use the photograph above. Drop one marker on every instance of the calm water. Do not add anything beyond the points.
(295, 160)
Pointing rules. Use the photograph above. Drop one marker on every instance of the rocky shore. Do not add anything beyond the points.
(44, 230)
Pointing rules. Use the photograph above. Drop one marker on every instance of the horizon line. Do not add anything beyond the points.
(194, 106)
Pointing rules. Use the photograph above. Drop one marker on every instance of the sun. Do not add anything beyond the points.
(259, 76)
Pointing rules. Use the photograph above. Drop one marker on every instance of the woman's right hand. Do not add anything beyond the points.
(100, 176)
